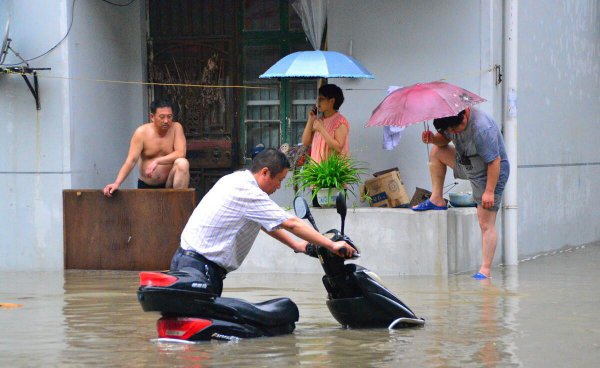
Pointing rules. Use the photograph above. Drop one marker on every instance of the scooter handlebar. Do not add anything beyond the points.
(311, 250)
(344, 251)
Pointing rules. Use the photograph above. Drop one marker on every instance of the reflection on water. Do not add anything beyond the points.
(543, 311)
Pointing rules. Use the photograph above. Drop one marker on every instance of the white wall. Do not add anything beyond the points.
(402, 43)
(559, 116)
(104, 45)
(79, 138)
(34, 145)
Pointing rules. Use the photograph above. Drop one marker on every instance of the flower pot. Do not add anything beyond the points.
(326, 197)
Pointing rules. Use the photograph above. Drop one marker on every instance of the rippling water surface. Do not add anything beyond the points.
(543, 313)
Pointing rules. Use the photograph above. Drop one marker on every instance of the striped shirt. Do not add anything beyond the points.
(225, 224)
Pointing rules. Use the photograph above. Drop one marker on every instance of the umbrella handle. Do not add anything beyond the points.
(426, 128)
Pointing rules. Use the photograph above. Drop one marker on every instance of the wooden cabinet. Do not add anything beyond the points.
(136, 229)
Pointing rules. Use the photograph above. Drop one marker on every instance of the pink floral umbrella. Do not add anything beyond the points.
(421, 102)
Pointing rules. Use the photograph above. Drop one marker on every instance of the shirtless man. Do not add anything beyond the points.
(161, 146)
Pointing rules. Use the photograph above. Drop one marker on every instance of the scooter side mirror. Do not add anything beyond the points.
(301, 209)
(340, 205)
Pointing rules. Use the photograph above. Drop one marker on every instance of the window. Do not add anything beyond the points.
(276, 110)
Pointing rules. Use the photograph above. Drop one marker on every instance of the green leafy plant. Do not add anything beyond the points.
(364, 197)
(336, 171)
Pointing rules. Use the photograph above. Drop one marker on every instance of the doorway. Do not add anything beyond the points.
(227, 43)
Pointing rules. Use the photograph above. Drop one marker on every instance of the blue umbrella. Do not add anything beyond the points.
(317, 64)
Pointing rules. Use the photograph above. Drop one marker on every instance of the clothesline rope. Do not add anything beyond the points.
(140, 82)
(6, 71)
(479, 72)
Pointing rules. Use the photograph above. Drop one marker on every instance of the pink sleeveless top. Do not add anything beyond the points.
(319, 148)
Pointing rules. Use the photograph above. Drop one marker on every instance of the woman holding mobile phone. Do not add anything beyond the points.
(327, 130)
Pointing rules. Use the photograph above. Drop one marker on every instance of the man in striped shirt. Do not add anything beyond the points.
(223, 227)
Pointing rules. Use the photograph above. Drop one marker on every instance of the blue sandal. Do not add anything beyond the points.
(480, 276)
(426, 205)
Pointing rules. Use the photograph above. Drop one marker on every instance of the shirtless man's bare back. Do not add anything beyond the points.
(161, 146)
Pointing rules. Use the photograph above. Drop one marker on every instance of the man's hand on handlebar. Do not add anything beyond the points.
(311, 250)
(343, 250)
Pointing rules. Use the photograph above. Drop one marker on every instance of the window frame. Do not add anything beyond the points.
(288, 41)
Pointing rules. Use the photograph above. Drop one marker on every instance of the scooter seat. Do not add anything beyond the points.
(176, 302)
(268, 313)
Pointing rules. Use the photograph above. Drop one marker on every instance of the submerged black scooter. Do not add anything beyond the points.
(191, 314)
(356, 297)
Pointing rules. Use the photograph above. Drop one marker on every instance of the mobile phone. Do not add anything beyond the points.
(319, 114)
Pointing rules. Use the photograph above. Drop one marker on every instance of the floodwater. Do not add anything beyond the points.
(541, 313)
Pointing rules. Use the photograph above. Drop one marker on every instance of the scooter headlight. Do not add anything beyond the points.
(374, 276)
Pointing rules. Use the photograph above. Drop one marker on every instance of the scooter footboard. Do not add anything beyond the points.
(358, 300)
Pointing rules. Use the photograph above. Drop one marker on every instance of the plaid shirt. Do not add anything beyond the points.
(225, 224)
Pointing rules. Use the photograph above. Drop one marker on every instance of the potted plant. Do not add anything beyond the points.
(328, 177)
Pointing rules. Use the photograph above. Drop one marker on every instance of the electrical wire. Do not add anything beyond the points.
(115, 4)
(68, 31)
(55, 46)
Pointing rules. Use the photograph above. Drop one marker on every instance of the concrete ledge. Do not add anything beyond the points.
(392, 242)
(464, 240)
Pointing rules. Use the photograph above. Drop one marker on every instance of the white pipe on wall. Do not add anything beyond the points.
(510, 207)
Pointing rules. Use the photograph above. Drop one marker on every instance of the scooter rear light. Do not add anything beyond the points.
(156, 279)
(180, 327)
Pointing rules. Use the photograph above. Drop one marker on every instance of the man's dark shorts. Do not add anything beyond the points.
(210, 273)
(143, 185)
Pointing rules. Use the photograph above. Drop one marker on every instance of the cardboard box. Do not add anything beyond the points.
(419, 196)
(386, 190)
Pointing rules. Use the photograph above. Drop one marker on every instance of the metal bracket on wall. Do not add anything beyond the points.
(498, 72)
(24, 72)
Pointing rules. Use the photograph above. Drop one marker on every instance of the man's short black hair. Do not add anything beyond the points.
(442, 124)
(157, 104)
(333, 91)
(274, 160)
